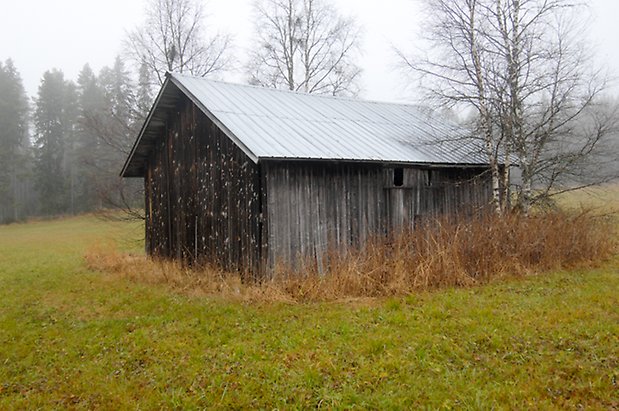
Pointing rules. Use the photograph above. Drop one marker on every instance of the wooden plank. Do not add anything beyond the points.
(201, 191)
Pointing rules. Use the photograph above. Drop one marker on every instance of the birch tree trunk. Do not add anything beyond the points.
(523, 69)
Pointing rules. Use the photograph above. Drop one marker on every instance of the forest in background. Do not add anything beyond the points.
(61, 152)
(522, 78)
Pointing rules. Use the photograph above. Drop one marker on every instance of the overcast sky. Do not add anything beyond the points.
(43, 34)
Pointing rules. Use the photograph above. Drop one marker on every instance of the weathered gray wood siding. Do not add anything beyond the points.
(202, 195)
(432, 192)
(312, 207)
(316, 206)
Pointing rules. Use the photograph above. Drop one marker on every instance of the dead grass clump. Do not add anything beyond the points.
(446, 253)
(441, 253)
(206, 280)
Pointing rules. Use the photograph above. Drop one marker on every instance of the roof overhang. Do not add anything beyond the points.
(135, 165)
(171, 92)
(372, 162)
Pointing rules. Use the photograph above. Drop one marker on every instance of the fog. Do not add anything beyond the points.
(65, 34)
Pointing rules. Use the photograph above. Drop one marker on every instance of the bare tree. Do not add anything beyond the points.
(304, 45)
(458, 73)
(522, 67)
(173, 39)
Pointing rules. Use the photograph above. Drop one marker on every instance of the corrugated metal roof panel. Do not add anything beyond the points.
(277, 124)
(282, 124)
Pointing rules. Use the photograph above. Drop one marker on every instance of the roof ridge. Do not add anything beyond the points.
(301, 93)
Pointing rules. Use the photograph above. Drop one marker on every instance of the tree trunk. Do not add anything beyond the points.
(524, 201)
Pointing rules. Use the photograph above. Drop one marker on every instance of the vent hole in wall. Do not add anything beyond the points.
(398, 177)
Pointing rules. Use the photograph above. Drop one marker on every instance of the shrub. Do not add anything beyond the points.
(440, 253)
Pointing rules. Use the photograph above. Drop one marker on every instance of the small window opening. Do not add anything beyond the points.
(398, 177)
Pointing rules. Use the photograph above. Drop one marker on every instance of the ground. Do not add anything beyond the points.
(73, 338)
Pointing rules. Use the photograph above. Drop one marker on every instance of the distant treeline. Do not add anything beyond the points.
(61, 152)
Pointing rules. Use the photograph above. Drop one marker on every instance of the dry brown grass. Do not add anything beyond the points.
(441, 254)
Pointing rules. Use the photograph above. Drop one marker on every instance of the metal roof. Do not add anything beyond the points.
(270, 124)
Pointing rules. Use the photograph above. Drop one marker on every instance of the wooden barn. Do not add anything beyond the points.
(249, 177)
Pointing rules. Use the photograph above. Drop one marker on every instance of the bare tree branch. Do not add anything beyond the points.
(172, 39)
(304, 45)
(521, 67)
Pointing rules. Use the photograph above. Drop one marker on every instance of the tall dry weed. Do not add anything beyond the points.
(441, 253)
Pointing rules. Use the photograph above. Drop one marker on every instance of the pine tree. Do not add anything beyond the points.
(51, 120)
(125, 120)
(109, 121)
(120, 107)
(144, 94)
(13, 142)
(88, 148)
(70, 132)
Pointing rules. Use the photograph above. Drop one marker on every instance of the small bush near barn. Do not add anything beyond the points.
(441, 253)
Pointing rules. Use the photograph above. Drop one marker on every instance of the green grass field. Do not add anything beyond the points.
(601, 199)
(72, 338)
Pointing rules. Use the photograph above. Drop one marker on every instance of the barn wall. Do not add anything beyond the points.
(202, 195)
(314, 207)
(428, 193)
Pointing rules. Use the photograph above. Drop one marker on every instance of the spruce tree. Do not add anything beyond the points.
(115, 126)
(13, 142)
(70, 133)
(51, 126)
(144, 94)
(88, 148)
